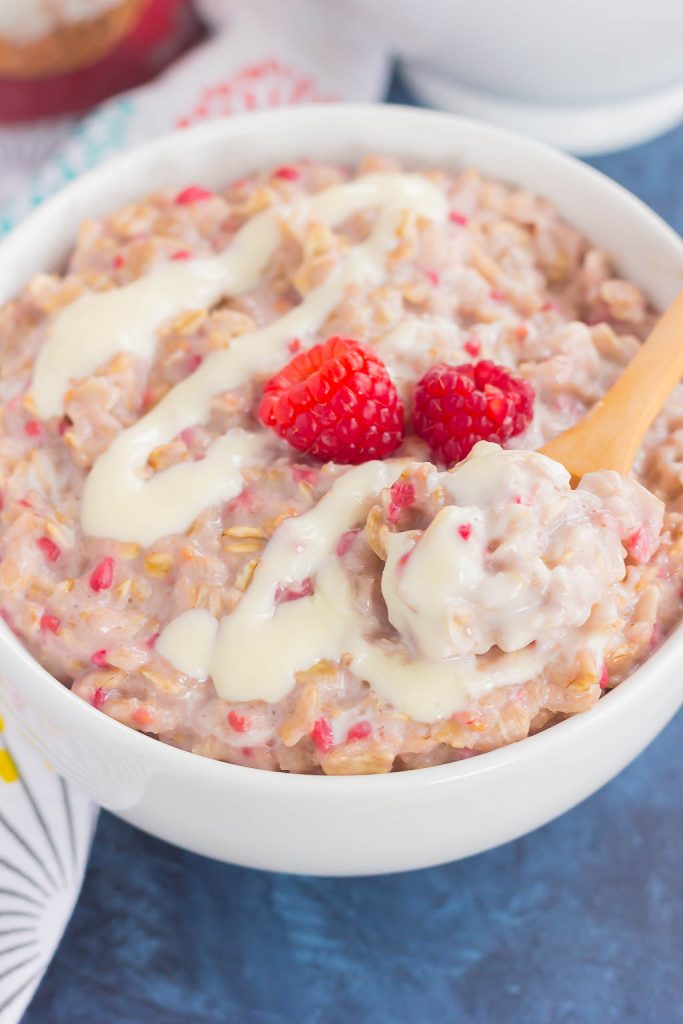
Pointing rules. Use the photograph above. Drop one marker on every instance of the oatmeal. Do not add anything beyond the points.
(512, 556)
(265, 549)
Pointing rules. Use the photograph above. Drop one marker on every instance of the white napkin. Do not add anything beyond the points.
(266, 53)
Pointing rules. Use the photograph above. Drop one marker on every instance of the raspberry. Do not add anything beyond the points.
(458, 218)
(294, 592)
(322, 735)
(192, 194)
(346, 542)
(49, 548)
(335, 402)
(102, 576)
(402, 496)
(456, 406)
(638, 544)
(359, 731)
(287, 173)
(49, 623)
(98, 698)
(240, 723)
(33, 428)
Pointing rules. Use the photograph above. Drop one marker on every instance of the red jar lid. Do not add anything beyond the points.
(154, 32)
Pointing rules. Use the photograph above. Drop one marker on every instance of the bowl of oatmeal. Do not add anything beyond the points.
(283, 577)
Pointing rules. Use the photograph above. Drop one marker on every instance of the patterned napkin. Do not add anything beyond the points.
(266, 54)
(45, 833)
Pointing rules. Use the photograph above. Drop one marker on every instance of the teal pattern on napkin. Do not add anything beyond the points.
(94, 139)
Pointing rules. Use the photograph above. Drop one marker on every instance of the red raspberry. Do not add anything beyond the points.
(294, 592)
(359, 731)
(322, 735)
(33, 428)
(402, 496)
(287, 173)
(102, 576)
(240, 723)
(192, 194)
(98, 698)
(49, 549)
(335, 401)
(456, 406)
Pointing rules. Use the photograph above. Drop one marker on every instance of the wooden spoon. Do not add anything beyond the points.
(610, 433)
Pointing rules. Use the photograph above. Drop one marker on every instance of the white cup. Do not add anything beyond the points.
(589, 76)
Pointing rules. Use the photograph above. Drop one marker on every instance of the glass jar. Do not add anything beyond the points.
(60, 57)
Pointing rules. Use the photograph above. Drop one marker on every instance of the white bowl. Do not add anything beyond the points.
(357, 825)
(590, 75)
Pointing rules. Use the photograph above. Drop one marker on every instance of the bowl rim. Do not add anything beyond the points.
(161, 754)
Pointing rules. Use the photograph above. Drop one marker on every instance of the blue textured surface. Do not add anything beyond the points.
(578, 923)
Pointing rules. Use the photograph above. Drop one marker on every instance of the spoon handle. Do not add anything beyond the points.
(609, 435)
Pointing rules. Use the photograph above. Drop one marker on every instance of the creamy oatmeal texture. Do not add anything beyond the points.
(512, 557)
(192, 575)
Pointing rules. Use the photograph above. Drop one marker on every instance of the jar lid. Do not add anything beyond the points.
(78, 62)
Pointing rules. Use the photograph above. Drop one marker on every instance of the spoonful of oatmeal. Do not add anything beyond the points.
(610, 433)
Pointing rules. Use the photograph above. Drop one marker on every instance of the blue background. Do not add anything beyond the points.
(579, 923)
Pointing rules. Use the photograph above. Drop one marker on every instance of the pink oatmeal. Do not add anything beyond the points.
(186, 571)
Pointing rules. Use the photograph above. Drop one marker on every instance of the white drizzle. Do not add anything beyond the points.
(305, 631)
(254, 653)
(97, 327)
(261, 644)
(447, 568)
(118, 502)
(94, 328)
(187, 642)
